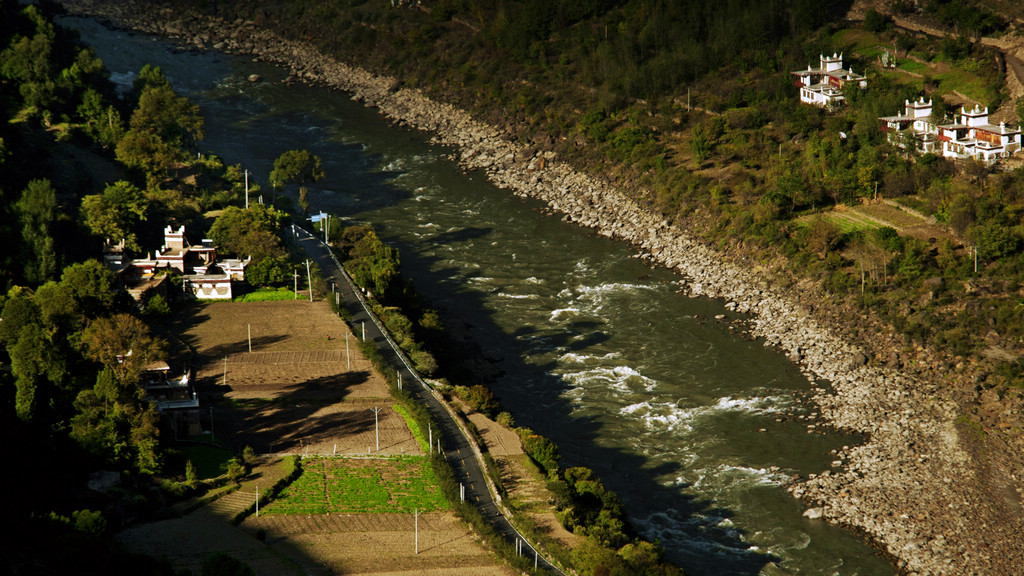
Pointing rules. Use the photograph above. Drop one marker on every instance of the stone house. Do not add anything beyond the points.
(823, 86)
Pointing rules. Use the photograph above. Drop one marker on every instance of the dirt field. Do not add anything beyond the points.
(301, 390)
(377, 544)
(295, 393)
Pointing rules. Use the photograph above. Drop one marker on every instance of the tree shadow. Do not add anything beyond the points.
(292, 416)
(239, 347)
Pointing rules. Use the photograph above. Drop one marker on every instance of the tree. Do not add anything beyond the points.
(374, 265)
(124, 344)
(301, 167)
(273, 270)
(149, 77)
(162, 126)
(298, 166)
(100, 122)
(171, 118)
(36, 213)
(113, 421)
(28, 61)
(253, 232)
(91, 287)
(116, 213)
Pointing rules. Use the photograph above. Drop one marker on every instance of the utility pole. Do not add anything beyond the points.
(247, 189)
(296, 273)
(309, 280)
(249, 328)
(376, 428)
(348, 359)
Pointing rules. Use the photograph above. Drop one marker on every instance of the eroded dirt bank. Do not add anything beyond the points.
(929, 487)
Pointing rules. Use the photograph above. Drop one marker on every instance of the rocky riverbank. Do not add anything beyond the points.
(917, 487)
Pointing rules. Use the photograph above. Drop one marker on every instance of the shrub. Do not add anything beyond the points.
(506, 420)
(542, 450)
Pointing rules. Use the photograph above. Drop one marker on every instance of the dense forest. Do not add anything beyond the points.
(83, 164)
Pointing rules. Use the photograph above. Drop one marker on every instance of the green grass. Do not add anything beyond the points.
(414, 427)
(267, 295)
(209, 461)
(850, 223)
(357, 486)
(972, 85)
(915, 67)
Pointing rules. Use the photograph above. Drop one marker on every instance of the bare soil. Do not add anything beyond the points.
(295, 393)
(301, 390)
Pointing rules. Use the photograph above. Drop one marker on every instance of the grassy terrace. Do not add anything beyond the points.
(359, 486)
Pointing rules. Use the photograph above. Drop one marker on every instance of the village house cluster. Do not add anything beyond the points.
(204, 276)
(969, 135)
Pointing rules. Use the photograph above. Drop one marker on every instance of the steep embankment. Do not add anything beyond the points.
(915, 487)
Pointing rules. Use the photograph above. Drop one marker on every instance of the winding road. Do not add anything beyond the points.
(459, 449)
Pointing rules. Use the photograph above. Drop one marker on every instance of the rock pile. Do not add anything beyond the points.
(911, 487)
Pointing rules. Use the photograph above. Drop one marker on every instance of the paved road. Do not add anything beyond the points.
(461, 453)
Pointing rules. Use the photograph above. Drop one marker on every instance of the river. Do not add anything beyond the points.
(696, 427)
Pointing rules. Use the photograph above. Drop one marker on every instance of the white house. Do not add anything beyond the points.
(914, 127)
(203, 275)
(969, 135)
(823, 86)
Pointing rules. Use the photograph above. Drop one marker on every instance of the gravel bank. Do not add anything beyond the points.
(914, 487)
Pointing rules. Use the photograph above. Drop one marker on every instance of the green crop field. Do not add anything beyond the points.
(360, 486)
(267, 295)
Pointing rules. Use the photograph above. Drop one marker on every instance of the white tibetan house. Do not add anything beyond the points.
(823, 86)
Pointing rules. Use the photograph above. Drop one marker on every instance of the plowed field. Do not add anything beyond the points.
(302, 389)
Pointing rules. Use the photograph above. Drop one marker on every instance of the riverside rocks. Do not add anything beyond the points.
(911, 487)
